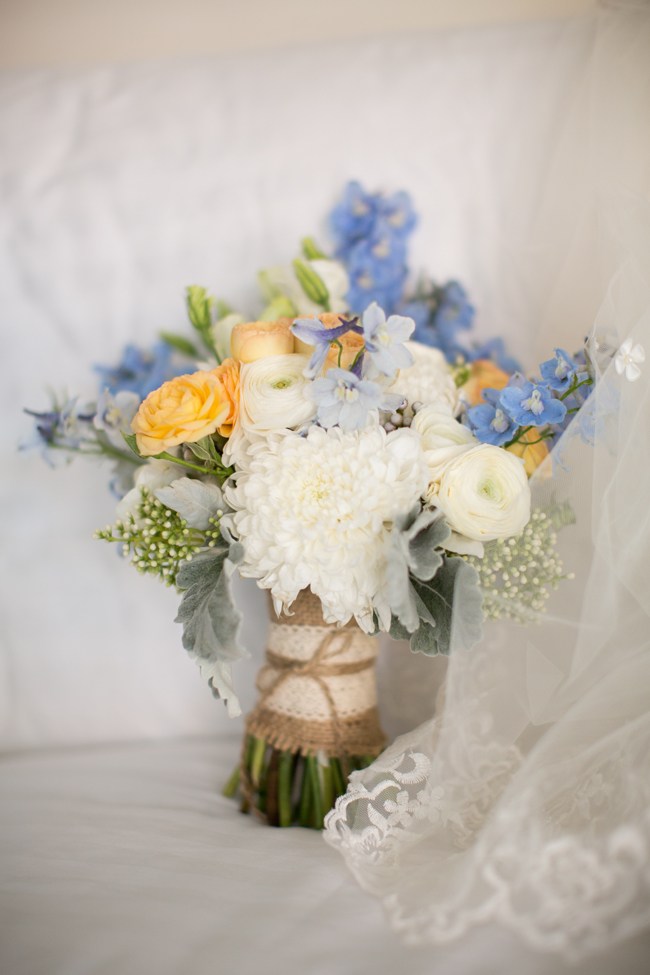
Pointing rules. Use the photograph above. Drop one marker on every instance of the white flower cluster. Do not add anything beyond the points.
(315, 511)
(313, 507)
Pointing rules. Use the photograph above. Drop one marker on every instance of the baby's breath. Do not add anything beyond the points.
(518, 574)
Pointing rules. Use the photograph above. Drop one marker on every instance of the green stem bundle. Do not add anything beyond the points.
(286, 788)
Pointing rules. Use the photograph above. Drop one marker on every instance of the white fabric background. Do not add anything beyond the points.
(122, 185)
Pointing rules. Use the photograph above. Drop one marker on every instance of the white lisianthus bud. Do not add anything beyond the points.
(272, 394)
(443, 440)
(484, 494)
(275, 281)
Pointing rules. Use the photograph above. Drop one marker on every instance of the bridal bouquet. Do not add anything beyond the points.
(354, 457)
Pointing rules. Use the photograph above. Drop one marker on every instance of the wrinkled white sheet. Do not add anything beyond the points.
(124, 860)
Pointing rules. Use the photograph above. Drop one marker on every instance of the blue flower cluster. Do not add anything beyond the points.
(548, 402)
(371, 233)
(345, 397)
(142, 370)
(440, 313)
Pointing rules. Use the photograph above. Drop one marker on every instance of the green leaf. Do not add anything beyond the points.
(210, 619)
(311, 283)
(130, 440)
(180, 343)
(453, 599)
(205, 449)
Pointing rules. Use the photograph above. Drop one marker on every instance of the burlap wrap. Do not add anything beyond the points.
(318, 687)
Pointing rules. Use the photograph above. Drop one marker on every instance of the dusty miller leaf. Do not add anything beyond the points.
(453, 599)
(195, 501)
(210, 619)
(414, 554)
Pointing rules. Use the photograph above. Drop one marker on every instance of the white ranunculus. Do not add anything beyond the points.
(443, 439)
(429, 380)
(272, 394)
(484, 494)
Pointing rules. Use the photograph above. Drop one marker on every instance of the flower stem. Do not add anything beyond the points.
(231, 786)
(304, 814)
(257, 760)
(317, 806)
(284, 789)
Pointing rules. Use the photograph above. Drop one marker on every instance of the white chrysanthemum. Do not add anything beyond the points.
(428, 380)
(314, 511)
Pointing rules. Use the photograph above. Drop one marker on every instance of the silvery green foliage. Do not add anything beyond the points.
(452, 593)
(210, 619)
(414, 554)
(195, 501)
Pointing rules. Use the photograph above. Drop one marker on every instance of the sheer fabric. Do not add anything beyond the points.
(526, 799)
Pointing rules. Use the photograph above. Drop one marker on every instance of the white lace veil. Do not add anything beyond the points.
(526, 801)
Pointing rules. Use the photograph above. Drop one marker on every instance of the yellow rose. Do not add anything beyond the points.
(250, 341)
(484, 375)
(182, 410)
(228, 373)
(351, 342)
(532, 453)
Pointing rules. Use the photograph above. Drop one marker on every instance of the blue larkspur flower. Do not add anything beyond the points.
(141, 370)
(344, 400)
(398, 213)
(67, 427)
(313, 332)
(560, 371)
(385, 338)
(495, 350)
(114, 414)
(532, 404)
(354, 217)
(377, 271)
(489, 421)
(440, 313)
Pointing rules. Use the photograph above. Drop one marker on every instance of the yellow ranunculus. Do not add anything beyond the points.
(182, 410)
(532, 453)
(250, 341)
(228, 373)
(485, 374)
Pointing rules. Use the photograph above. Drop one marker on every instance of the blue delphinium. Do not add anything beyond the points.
(353, 218)
(561, 371)
(346, 401)
(65, 428)
(114, 415)
(494, 349)
(371, 233)
(532, 404)
(384, 339)
(312, 331)
(489, 421)
(398, 213)
(141, 370)
(440, 312)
